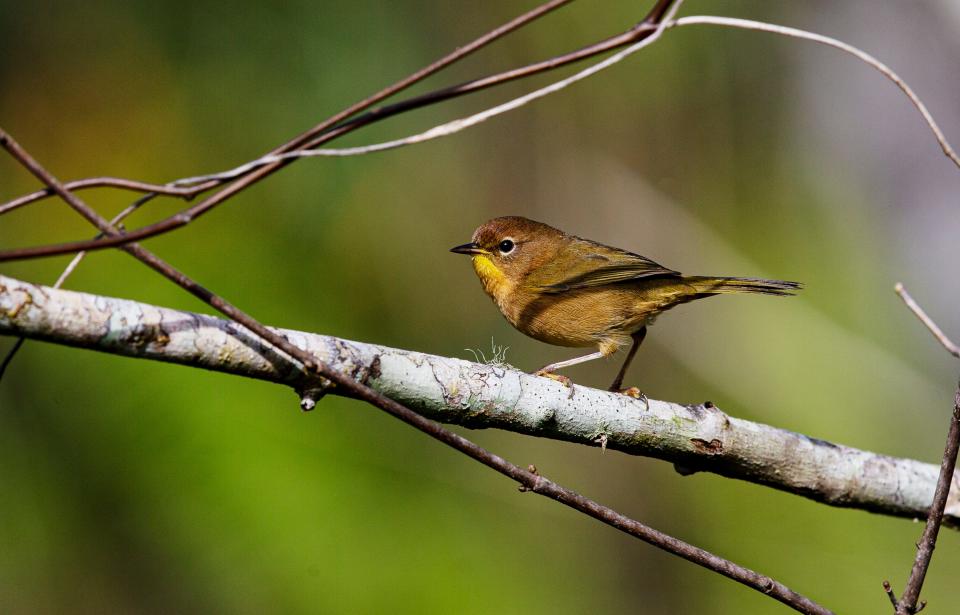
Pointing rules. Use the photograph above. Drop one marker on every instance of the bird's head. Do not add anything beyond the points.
(506, 249)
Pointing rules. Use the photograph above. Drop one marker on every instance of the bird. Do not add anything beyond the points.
(568, 291)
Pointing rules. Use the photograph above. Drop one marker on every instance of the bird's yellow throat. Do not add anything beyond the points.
(489, 274)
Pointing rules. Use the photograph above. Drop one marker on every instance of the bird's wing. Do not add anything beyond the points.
(585, 264)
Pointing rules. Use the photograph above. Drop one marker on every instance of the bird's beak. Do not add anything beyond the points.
(468, 248)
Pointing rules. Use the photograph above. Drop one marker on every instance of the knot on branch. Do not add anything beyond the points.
(13, 308)
(310, 395)
(713, 447)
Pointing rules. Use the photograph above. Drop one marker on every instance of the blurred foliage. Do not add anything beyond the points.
(137, 487)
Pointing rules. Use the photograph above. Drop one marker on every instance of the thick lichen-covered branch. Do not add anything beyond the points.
(696, 438)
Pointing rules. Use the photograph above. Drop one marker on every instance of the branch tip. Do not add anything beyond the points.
(928, 322)
(889, 590)
(310, 396)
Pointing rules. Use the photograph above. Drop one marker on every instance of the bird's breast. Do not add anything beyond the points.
(495, 282)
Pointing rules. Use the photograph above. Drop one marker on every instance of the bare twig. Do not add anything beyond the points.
(907, 605)
(68, 270)
(928, 540)
(889, 591)
(338, 125)
(448, 128)
(280, 156)
(330, 129)
(171, 189)
(530, 480)
(729, 22)
(926, 320)
(10, 355)
(187, 189)
(747, 24)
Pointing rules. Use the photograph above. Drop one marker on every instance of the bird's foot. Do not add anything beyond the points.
(635, 393)
(565, 381)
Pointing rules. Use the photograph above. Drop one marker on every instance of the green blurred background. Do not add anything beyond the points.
(138, 487)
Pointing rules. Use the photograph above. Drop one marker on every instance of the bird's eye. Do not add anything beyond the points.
(506, 246)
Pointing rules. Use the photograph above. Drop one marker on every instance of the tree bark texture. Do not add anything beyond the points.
(477, 396)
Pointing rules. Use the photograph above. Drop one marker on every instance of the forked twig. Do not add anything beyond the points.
(908, 605)
(67, 271)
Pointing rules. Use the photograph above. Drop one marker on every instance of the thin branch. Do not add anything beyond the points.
(926, 320)
(171, 189)
(889, 591)
(463, 123)
(480, 396)
(928, 540)
(68, 270)
(642, 35)
(454, 126)
(907, 605)
(338, 125)
(10, 355)
(747, 24)
(252, 172)
(187, 189)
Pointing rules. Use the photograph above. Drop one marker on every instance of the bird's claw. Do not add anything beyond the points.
(635, 393)
(564, 380)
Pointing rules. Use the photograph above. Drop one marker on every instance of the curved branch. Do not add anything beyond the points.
(637, 37)
(171, 189)
(696, 438)
(251, 172)
(189, 189)
(863, 56)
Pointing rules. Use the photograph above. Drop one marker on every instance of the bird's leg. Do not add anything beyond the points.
(618, 381)
(547, 370)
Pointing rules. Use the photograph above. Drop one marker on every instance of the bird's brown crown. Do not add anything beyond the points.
(518, 229)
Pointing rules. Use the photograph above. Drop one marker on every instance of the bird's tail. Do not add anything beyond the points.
(706, 285)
